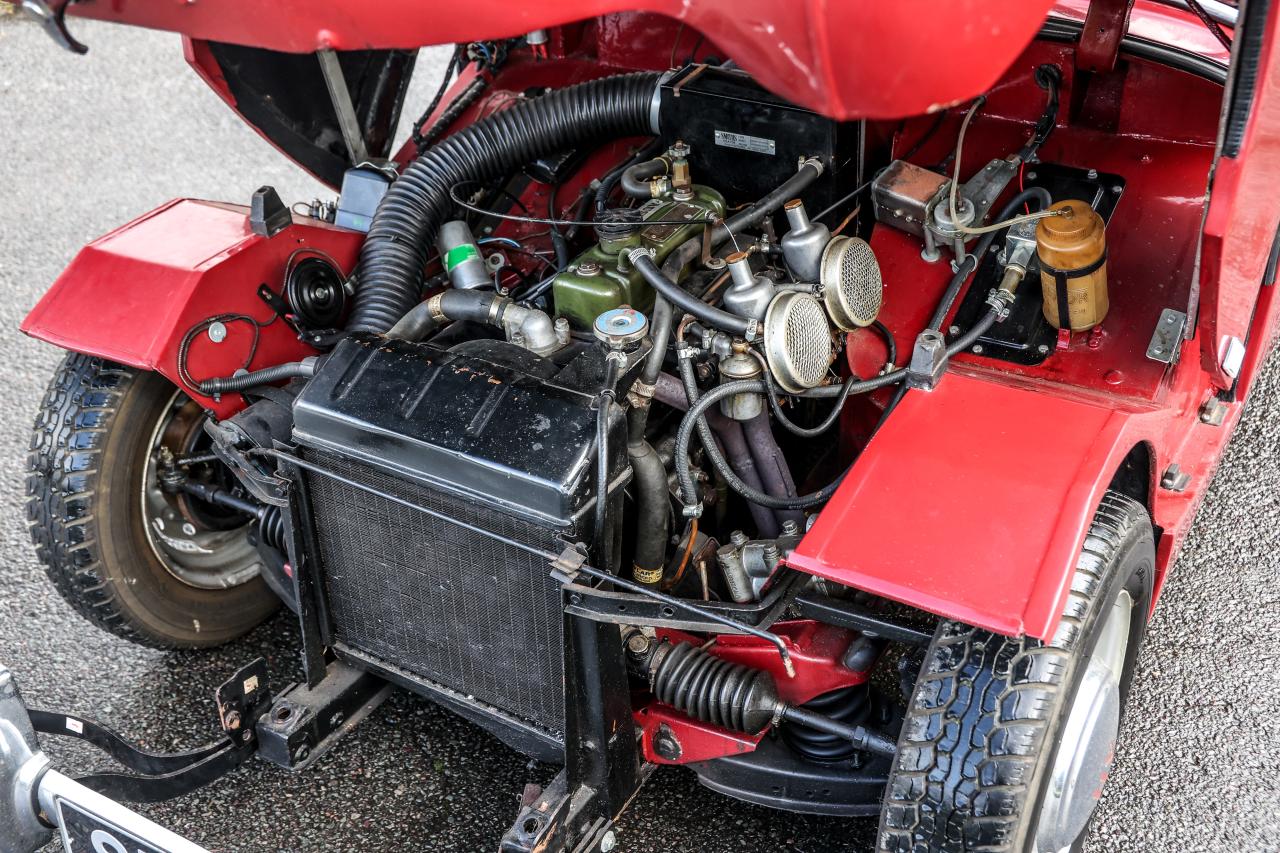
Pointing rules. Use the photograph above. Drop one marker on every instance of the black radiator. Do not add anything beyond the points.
(500, 445)
(443, 605)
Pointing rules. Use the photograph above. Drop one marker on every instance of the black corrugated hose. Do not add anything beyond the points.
(406, 222)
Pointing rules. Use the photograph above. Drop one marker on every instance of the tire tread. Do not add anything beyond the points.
(962, 782)
(63, 468)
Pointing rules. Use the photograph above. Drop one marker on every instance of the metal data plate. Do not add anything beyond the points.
(85, 832)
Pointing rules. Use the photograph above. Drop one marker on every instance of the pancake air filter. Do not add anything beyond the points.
(797, 341)
(852, 288)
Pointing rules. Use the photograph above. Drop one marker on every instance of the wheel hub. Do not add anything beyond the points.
(1087, 748)
(201, 549)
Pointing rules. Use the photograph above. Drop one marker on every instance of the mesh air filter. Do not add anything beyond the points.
(851, 285)
(797, 341)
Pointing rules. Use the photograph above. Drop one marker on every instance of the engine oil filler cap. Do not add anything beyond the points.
(620, 328)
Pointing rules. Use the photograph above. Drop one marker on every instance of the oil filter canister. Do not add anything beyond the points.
(1073, 266)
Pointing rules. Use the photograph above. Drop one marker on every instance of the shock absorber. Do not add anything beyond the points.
(738, 697)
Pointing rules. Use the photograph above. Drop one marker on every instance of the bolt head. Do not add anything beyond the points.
(638, 644)
(233, 720)
(188, 528)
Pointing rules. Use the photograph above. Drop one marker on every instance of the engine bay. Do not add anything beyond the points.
(612, 353)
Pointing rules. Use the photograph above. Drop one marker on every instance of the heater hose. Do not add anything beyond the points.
(405, 224)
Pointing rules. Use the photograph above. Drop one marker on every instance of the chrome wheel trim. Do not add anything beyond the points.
(201, 558)
(1086, 749)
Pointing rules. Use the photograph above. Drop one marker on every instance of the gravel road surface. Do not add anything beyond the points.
(87, 143)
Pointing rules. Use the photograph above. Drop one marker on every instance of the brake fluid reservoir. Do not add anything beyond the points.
(1073, 266)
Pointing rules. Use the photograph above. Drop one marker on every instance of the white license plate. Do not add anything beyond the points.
(85, 832)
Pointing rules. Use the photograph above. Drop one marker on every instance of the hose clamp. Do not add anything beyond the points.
(640, 395)
(433, 308)
(498, 310)
(693, 510)
(640, 252)
(1000, 301)
(618, 356)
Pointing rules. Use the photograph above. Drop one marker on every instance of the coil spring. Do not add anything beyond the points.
(714, 690)
(271, 528)
(849, 705)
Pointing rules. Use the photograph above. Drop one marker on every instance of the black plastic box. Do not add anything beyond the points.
(746, 140)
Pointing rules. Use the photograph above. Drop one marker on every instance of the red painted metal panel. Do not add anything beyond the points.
(130, 295)
(846, 60)
(910, 524)
(1243, 215)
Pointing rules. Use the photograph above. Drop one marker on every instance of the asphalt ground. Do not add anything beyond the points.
(87, 143)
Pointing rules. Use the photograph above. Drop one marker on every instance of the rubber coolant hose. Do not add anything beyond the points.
(653, 506)
(405, 224)
(479, 306)
(635, 178)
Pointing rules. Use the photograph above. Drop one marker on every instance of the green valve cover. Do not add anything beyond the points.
(593, 284)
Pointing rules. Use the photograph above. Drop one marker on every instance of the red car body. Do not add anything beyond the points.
(1059, 432)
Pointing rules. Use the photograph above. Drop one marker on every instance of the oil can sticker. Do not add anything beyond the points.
(745, 143)
(459, 254)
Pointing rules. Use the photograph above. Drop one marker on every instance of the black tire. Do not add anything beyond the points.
(88, 455)
(984, 724)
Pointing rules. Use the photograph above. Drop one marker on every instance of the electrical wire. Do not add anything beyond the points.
(889, 342)
(955, 183)
(188, 338)
(692, 535)
(846, 198)
(1209, 22)
(419, 127)
(542, 220)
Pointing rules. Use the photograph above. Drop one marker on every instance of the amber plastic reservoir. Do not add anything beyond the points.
(1073, 251)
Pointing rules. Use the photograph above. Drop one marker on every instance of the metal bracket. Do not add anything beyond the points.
(342, 106)
(844, 614)
(550, 817)
(928, 361)
(305, 722)
(1175, 479)
(163, 776)
(1166, 340)
(623, 608)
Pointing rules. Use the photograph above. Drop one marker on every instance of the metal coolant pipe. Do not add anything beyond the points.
(772, 465)
(670, 390)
